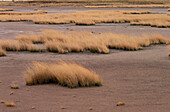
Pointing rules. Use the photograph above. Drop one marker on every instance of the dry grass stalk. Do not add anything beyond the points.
(6, 9)
(63, 73)
(10, 104)
(14, 86)
(23, 13)
(2, 52)
(11, 93)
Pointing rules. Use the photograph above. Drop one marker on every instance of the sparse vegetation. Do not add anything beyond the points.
(23, 13)
(14, 86)
(92, 17)
(62, 73)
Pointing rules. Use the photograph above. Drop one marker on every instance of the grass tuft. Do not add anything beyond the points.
(10, 104)
(91, 108)
(63, 73)
(120, 104)
(14, 86)
(2, 101)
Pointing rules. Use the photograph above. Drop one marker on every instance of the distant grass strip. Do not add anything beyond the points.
(90, 17)
(6, 9)
(23, 13)
(130, 6)
(62, 73)
(15, 45)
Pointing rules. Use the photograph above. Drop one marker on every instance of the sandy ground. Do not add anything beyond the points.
(10, 31)
(140, 79)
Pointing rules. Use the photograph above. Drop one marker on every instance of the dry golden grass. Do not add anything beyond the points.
(130, 6)
(14, 86)
(62, 107)
(23, 13)
(2, 52)
(137, 12)
(6, 9)
(156, 23)
(62, 73)
(91, 17)
(120, 104)
(10, 104)
(91, 108)
(59, 42)
(11, 93)
(33, 107)
(15, 45)
(56, 41)
(2, 101)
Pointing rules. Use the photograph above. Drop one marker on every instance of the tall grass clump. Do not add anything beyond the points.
(2, 52)
(63, 73)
